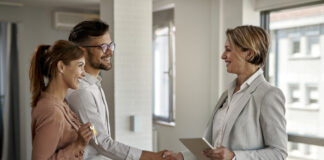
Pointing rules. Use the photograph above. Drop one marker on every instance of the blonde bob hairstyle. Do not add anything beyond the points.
(250, 38)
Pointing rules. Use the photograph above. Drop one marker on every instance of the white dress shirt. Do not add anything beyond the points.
(222, 115)
(89, 103)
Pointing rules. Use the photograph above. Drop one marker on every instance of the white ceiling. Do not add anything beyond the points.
(77, 4)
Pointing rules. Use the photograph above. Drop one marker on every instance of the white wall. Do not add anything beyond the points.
(133, 71)
(34, 28)
(193, 48)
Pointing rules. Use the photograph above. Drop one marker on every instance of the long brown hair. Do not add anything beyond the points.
(44, 64)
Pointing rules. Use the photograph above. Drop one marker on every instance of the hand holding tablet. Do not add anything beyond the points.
(197, 146)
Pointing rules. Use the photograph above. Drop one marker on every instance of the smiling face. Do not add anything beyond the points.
(73, 73)
(96, 58)
(234, 58)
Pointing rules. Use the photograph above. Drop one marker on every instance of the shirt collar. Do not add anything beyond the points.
(92, 79)
(247, 83)
(253, 77)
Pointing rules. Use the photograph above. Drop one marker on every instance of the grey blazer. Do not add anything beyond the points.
(257, 129)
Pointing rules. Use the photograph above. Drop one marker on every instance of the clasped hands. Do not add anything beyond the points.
(220, 153)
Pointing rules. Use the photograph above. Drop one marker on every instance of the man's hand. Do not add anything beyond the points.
(169, 155)
(220, 153)
(147, 155)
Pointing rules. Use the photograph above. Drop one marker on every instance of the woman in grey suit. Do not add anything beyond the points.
(248, 122)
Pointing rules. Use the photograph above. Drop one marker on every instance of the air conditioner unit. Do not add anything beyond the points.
(67, 20)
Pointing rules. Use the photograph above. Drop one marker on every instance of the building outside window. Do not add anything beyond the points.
(296, 65)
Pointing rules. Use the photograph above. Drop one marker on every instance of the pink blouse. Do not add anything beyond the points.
(54, 129)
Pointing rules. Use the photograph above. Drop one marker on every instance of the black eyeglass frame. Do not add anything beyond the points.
(110, 46)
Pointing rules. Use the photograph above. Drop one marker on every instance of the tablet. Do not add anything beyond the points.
(197, 146)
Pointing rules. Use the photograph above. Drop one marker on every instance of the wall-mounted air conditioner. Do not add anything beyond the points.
(67, 20)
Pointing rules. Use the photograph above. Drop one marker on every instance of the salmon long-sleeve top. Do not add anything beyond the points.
(54, 129)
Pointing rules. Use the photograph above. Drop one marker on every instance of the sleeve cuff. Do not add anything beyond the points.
(134, 154)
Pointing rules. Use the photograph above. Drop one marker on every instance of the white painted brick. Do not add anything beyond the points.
(133, 70)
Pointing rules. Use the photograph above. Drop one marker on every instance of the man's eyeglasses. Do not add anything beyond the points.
(104, 47)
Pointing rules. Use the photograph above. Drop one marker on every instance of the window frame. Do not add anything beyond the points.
(265, 24)
(170, 120)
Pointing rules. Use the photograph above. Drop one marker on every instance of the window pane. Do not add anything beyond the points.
(163, 66)
(296, 46)
(296, 66)
(313, 45)
(161, 73)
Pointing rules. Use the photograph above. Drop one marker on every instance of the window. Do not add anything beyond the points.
(296, 66)
(295, 46)
(298, 150)
(313, 45)
(304, 41)
(163, 66)
(312, 95)
(302, 96)
(294, 93)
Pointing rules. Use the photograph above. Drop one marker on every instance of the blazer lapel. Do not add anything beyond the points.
(208, 131)
(242, 103)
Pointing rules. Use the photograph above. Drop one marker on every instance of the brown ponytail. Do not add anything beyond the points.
(44, 64)
(37, 83)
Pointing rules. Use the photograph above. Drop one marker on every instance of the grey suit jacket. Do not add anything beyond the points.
(256, 129)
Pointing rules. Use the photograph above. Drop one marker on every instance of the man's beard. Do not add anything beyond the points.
(99, 65)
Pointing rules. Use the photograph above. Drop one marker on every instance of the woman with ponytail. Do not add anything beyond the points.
(56, 131)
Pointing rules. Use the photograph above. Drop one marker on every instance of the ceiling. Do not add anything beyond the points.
(77, 4)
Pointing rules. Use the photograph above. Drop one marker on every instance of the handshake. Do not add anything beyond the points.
(220, 153)
(162, 155)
